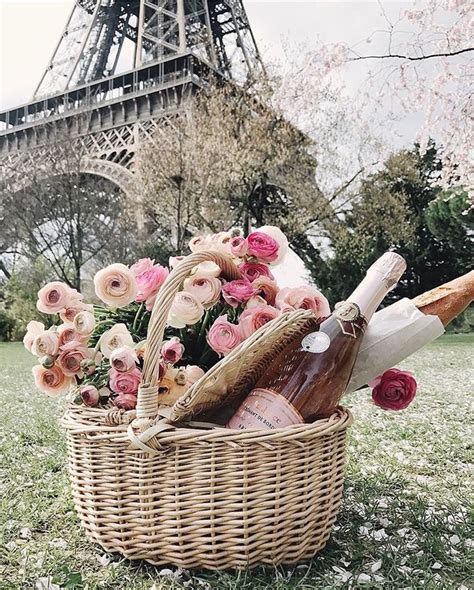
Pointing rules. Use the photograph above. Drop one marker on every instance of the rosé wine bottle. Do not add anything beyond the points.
(308, 378)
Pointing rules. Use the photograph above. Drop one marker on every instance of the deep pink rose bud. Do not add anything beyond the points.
(126, 401)
(90, 396)
(394, 390)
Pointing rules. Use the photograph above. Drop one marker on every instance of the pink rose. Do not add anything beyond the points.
(237, 292)
(126, 401)
(206, 269)
(117, 336)
(266, 288)
(262, 246)
(33, 329)
(84, 323)
(206, 289)
(67, 334)
(255, 317)
(279, 237)
(175, 260)
(198, 243)
(193, 373)
(394, 390)
(306, 297)
(52, 381)
(69, 313)
(223, 336)
(90, 396)
(142, 265)
(45, 344)
(254, 270)
(125, 383)
(149, 283)
(238, 247)
(115, 285)
(55, 296)
(172, 350)
(186, 310)
(71, 357)
(123, 359)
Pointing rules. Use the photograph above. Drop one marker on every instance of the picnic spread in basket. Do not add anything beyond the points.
(204, 426)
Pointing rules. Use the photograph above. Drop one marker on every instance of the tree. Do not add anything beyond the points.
(69, 219)
(229, 159)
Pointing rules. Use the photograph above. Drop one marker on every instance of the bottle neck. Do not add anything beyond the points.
(370, 293)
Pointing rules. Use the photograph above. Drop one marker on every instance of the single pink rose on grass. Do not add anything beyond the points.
(172, 351)
(123, 359)
(125, 383)
(224, 336)
(90, 395)
(238, 292)
(33, 329)
(254, 270)
(394, 390)
(306, 297)
(149, 283)
(116, 285)
(142, 265)
(255, 317)
(262, 246)
(51, 381)
(56, 296)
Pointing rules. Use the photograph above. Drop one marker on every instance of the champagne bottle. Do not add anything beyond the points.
(307, 379)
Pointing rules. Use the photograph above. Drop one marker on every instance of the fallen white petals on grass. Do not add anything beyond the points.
(376, 566)
(25, 533)
(58, 543)
(46, 584)
(454, 540)
(104, 559)
(436, 565)
(363, 579)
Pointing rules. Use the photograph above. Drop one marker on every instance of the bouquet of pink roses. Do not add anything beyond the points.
(97, 350)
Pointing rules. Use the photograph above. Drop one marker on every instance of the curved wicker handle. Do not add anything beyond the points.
(147, 401)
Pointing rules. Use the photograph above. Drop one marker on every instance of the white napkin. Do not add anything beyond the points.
(393, 334)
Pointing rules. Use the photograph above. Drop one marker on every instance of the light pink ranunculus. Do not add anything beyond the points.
(84, 323)
(116, 285)
(224, 336)
(206, 269)
(33, 329)
(394, 390)
(206, 289)
(149, 283)
(125, 383)
(262, 246)
(255, 317)
(254, 270)
(45, 344)
(193, 373)
(125, 401)
(172, 350)
(123, 359)
(279, 237)
(67, 334)
(142, 265)
(90, 395)
(237, 292)
(238, 247)
(255, 301)
(199, 243)
(71, 357)
(51, 381)
(221, 242)
(306, 297)
(186, 310)
(55, 296)
(69, 313)
(175, 260)
(266, 288)
(117, 336)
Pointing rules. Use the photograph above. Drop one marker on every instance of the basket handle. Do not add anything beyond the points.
(147, 400)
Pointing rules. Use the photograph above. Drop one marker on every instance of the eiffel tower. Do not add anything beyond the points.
(173, 46)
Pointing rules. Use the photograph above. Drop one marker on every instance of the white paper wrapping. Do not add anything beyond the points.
(393, 334)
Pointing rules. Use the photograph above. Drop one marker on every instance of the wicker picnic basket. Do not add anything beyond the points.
(154, 484)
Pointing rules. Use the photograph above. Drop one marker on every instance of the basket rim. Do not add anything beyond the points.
(340, 420)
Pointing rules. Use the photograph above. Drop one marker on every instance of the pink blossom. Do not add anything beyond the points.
(123, 359)
(238, 247)
(33, 329)
(125, 383)
(52, 380)
(206, 289)
(71, 357)
(90, 395)
(186, 310)
(126, 401)
(45, 344)
(394, 390)
(142, 265)
(149, 283)
(279, 237)
(237, 292)
(254, 270)
(224, 336)
(55, 296)
(255, 317)
(266, 288)
(306, 297)
(67, 334)
(69, 313)
(172, 350)
(193, 373)
(262, 246)
(115, 285)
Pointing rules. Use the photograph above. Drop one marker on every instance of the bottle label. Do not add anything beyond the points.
(352, 322)
(264, 408)
(316, 342)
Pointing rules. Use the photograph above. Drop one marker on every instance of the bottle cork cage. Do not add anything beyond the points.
(198, 497)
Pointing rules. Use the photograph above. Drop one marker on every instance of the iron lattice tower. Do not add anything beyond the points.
(171, 46)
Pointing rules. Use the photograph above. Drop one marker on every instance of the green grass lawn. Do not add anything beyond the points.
(403, 524)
